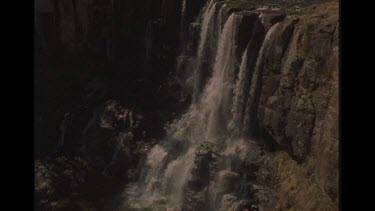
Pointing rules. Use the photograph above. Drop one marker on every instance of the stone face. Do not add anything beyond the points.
(60, 182)
(94, 162)
(298, 103)
(197, 187)
(100, 32)
(245, 31)
(108, 137)
(288, 86)
(230, 181)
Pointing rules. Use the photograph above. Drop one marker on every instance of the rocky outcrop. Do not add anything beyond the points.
(109, 135)
(189, 13)
(292, 101)
(107, 138)
(251, 178)
(202, 172)
(298, 99)
(97, 33)
(66, 183)
(294, 110)
(102, 149)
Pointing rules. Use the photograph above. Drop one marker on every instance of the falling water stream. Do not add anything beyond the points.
(215, 116)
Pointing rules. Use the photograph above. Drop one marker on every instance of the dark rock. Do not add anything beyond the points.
(62, 182)
(245, 31)
(197, 187)
(201, 169)
(229, 181)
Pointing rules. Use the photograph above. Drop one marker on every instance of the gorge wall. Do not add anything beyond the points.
(192, 105)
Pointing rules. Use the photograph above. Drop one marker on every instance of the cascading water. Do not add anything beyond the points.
(250, 103)
(237, 126)
(211, 118)
(206, 48)
(239, 96)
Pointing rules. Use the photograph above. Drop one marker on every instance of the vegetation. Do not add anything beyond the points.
(325, 201)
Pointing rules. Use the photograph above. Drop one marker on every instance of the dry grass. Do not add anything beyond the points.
(299, 189)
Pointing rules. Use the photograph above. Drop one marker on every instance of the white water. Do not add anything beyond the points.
(212, 117)
(258, 68)
(209, 34)
(235, 125)
(205, 47)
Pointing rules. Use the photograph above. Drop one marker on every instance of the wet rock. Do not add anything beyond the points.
(60, 183)
(197, 186)
(201, 169)
(245, 31)
(196, 200)
(108, 147)
(271, 18)
(229, 181)
(109, 136)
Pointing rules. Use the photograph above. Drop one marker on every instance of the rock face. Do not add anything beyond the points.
(99, 33)
(61, 183)
(296, 98)
(201, 175)
(296, 90)
(102, 149)
(294, 87)
(251, 178)
(293, 93)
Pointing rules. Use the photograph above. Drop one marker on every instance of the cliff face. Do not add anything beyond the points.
(261, 131)
(298, 106)
(104, 33)
(91, 30)
(292, 85)
(78, 41)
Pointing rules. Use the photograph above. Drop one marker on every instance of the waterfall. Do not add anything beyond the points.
(164, 182)
(251, 105)
(217, 96)
(239, 96)
(202, 121)
(241, 91)
(208, 35)
(205, 47)
(215, 117)
(200, 63)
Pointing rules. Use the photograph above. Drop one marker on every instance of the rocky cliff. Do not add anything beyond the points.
(234, 103)
(292, 105)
